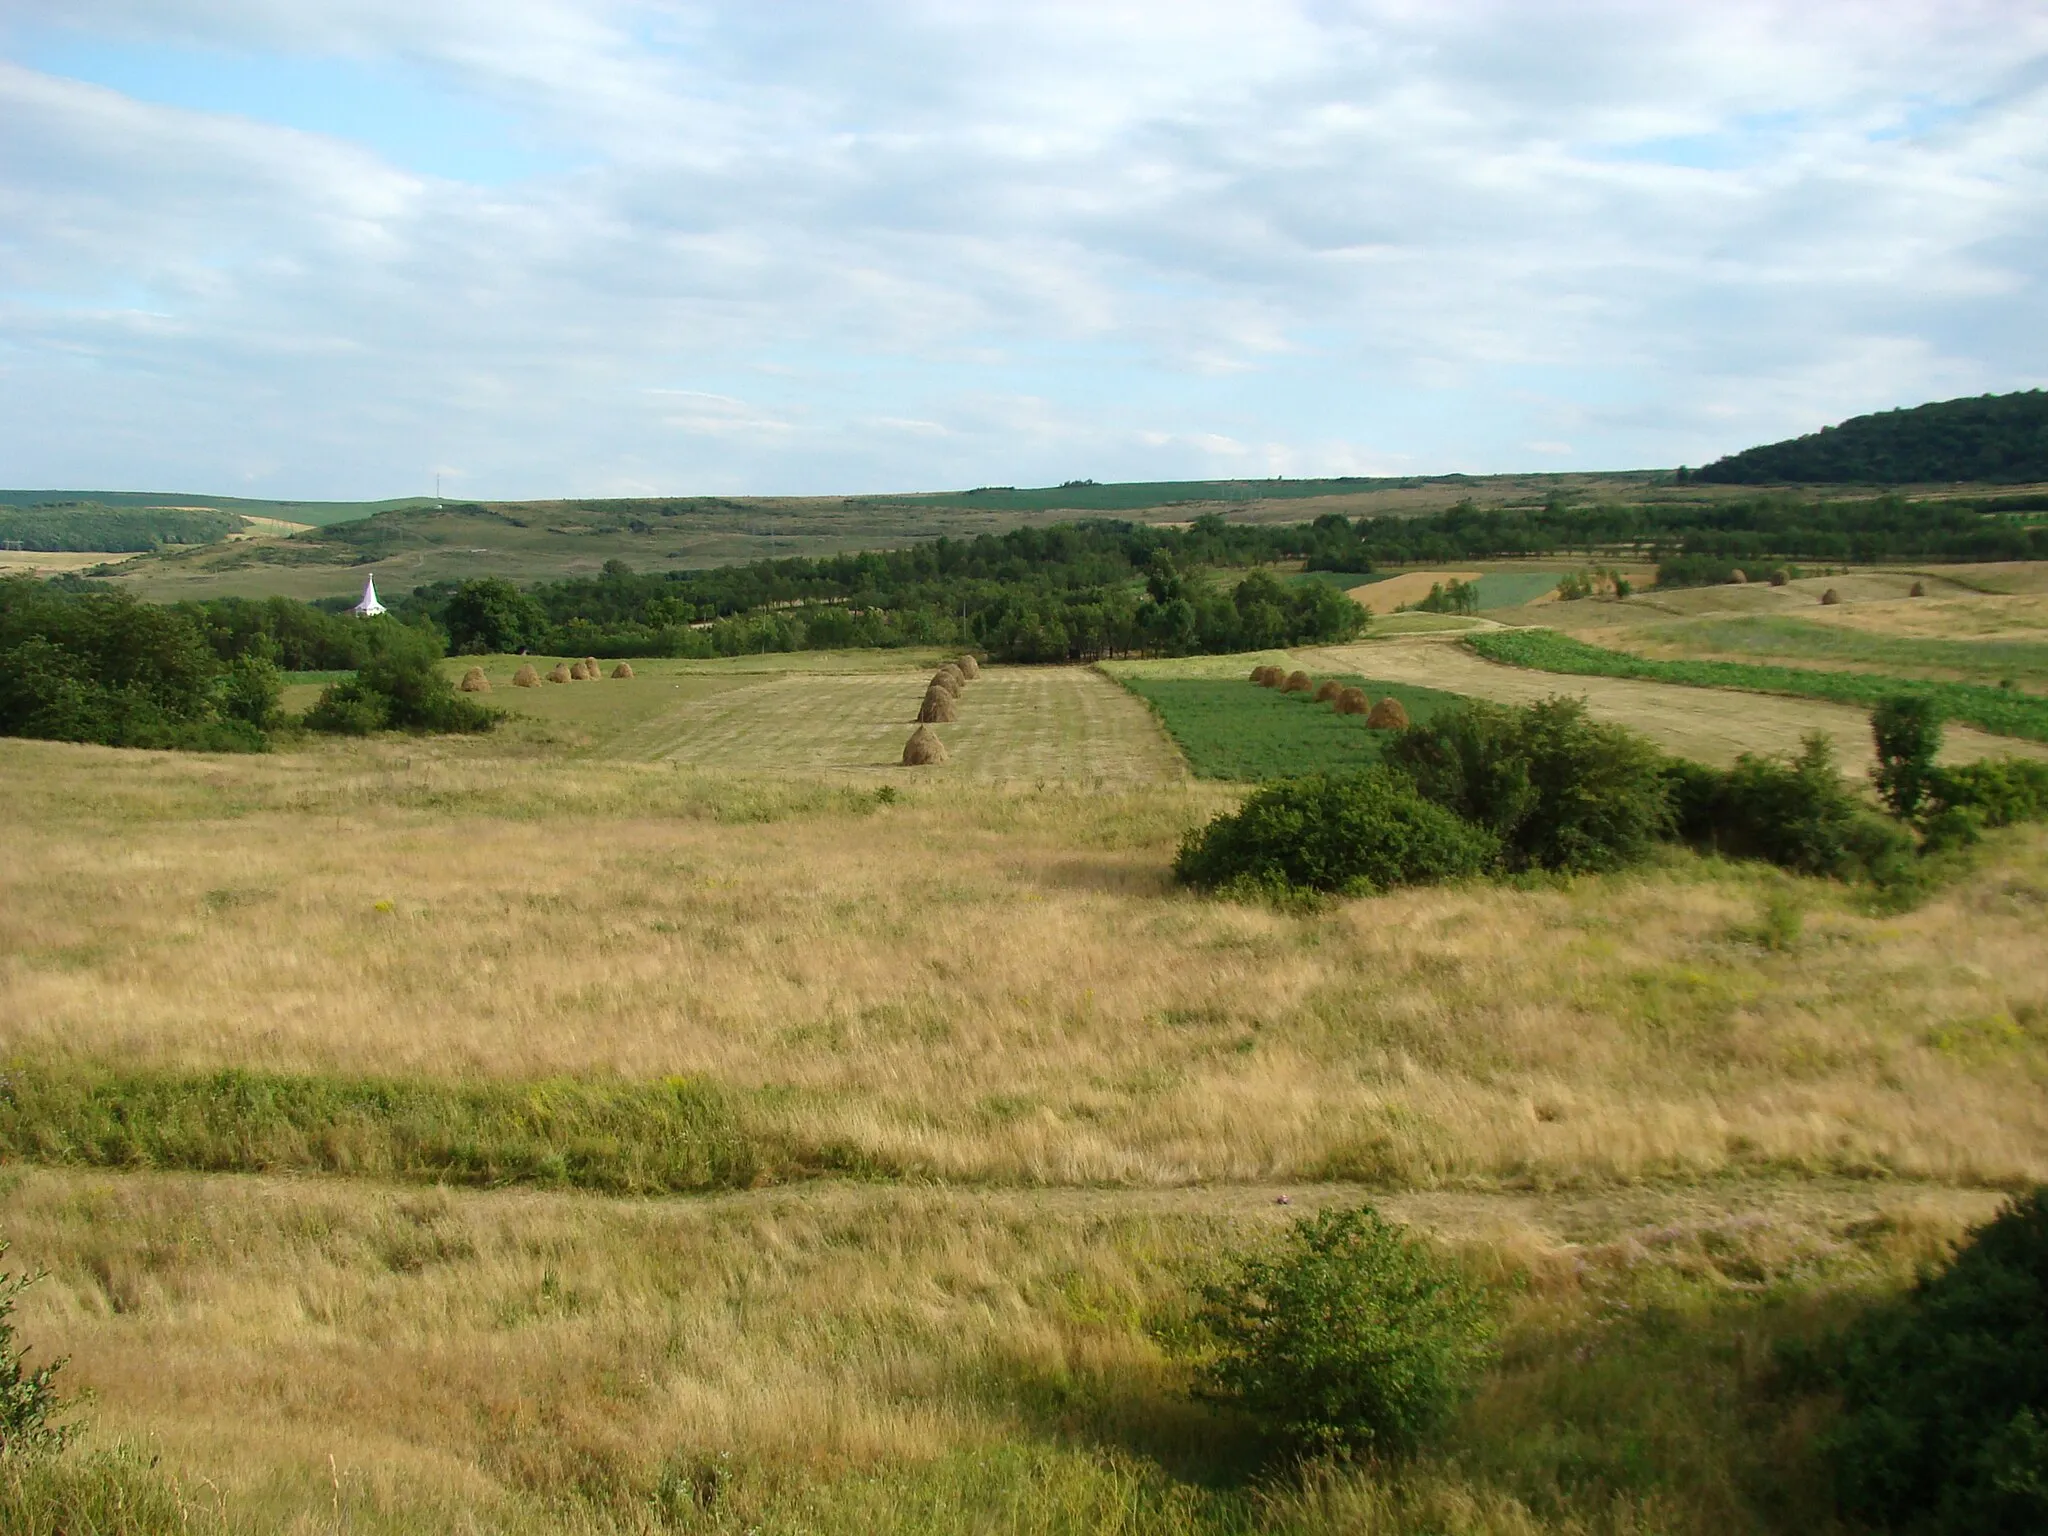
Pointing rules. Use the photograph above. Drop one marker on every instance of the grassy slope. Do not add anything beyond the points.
(1232, 729)
(2003, 712)
(1781, 638)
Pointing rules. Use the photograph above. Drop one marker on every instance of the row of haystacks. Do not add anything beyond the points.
(1389, 714)
(941, 706)
(585, 671)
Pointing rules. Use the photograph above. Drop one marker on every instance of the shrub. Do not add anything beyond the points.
(1348, 833)
(399, 689)
(2000, 791)
(1559, 789)
(28, 1398)
(1944, 1422)
(1907, 730)
(1354, 1336)
(1795, 814)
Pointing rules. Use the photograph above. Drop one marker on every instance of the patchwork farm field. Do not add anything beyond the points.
(1233, 729)
(668, 1114)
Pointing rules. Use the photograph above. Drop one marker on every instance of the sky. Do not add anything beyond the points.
(339, 248)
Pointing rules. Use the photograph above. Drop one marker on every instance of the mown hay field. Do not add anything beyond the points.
(839, 712)
(1232, 729)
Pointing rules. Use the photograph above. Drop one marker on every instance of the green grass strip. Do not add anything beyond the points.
(672, 1136)
(1229, 728)
(2001, 711)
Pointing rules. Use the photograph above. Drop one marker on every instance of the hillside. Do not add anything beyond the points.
(1996, 439)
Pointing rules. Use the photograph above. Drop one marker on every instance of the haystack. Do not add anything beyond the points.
(1918, 589)
(1829, 598)
(474, 681)
(1269, 677)
(1388, 715)
(1352, 701)
(1297, 682)
(969, 668)
(938, 707)
(1779, 578)
(949, 677)
(1329, 690)
(923, 747)
(591, 669)
(1738, 578)
(560, 674)
(526, 677)
(578, 672)
(623, 669)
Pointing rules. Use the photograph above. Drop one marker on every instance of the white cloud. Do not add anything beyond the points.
(922, 242)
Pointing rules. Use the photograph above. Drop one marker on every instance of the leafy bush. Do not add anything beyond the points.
(1795, 814)
(399, 689)
(1354, 1336)
(1999, 791)
(490, 614)
(28, 1398)
(1559, 789)
(1349, 833)
(1944, 1424)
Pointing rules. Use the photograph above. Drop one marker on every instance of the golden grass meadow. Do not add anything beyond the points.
(1024, 1092)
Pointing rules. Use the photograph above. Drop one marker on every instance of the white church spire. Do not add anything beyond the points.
(369, 605)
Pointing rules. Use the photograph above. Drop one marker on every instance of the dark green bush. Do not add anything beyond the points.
(1349, 833)
(1795, 814)
(399, 689)
(1559, 789)
(2000, 791)
(1944, 1424)
(1353, 1337)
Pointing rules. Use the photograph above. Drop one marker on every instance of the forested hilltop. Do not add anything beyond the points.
(2000, 439)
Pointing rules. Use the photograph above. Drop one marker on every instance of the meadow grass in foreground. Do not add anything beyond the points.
(2004, 712)
(318, 1356)
(1001, 985)
(1229, 728)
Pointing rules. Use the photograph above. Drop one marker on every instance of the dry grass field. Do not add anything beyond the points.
(1668, 1122)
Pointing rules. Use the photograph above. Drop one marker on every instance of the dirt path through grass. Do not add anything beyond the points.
(1711, 725)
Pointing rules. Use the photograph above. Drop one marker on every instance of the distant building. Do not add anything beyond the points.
(369, 607)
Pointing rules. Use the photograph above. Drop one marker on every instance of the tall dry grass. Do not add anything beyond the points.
(1004, 986)
(333, 1355)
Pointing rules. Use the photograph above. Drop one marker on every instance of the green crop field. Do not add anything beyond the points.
(1511, 589)
(2001, 711)
(1783, 638)
(1229, 728)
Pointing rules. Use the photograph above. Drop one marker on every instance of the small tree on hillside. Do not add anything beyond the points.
(1907, 728)
(28, 1398)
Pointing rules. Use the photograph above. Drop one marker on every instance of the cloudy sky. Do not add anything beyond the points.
(332, 248)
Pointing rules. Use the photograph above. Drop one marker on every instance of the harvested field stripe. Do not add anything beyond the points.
(2001, 711)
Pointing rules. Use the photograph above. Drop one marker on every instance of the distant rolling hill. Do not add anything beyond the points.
(1991, 439)
(318, 513)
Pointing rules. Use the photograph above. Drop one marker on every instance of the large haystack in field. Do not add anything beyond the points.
(623, 669)
(938, 708)
(1918, 589)
(969, 668)
(578, 672)
(591, 669)
(1268, 677)
(1296, 682)
(1328, 690)
(559, 673)
(1738, 577)
(1352, 701)
(526, 677)
(1780, 577)
(949, 677)
(474, 681)
(1390, 714)
(1829, 598)
(923, 748)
